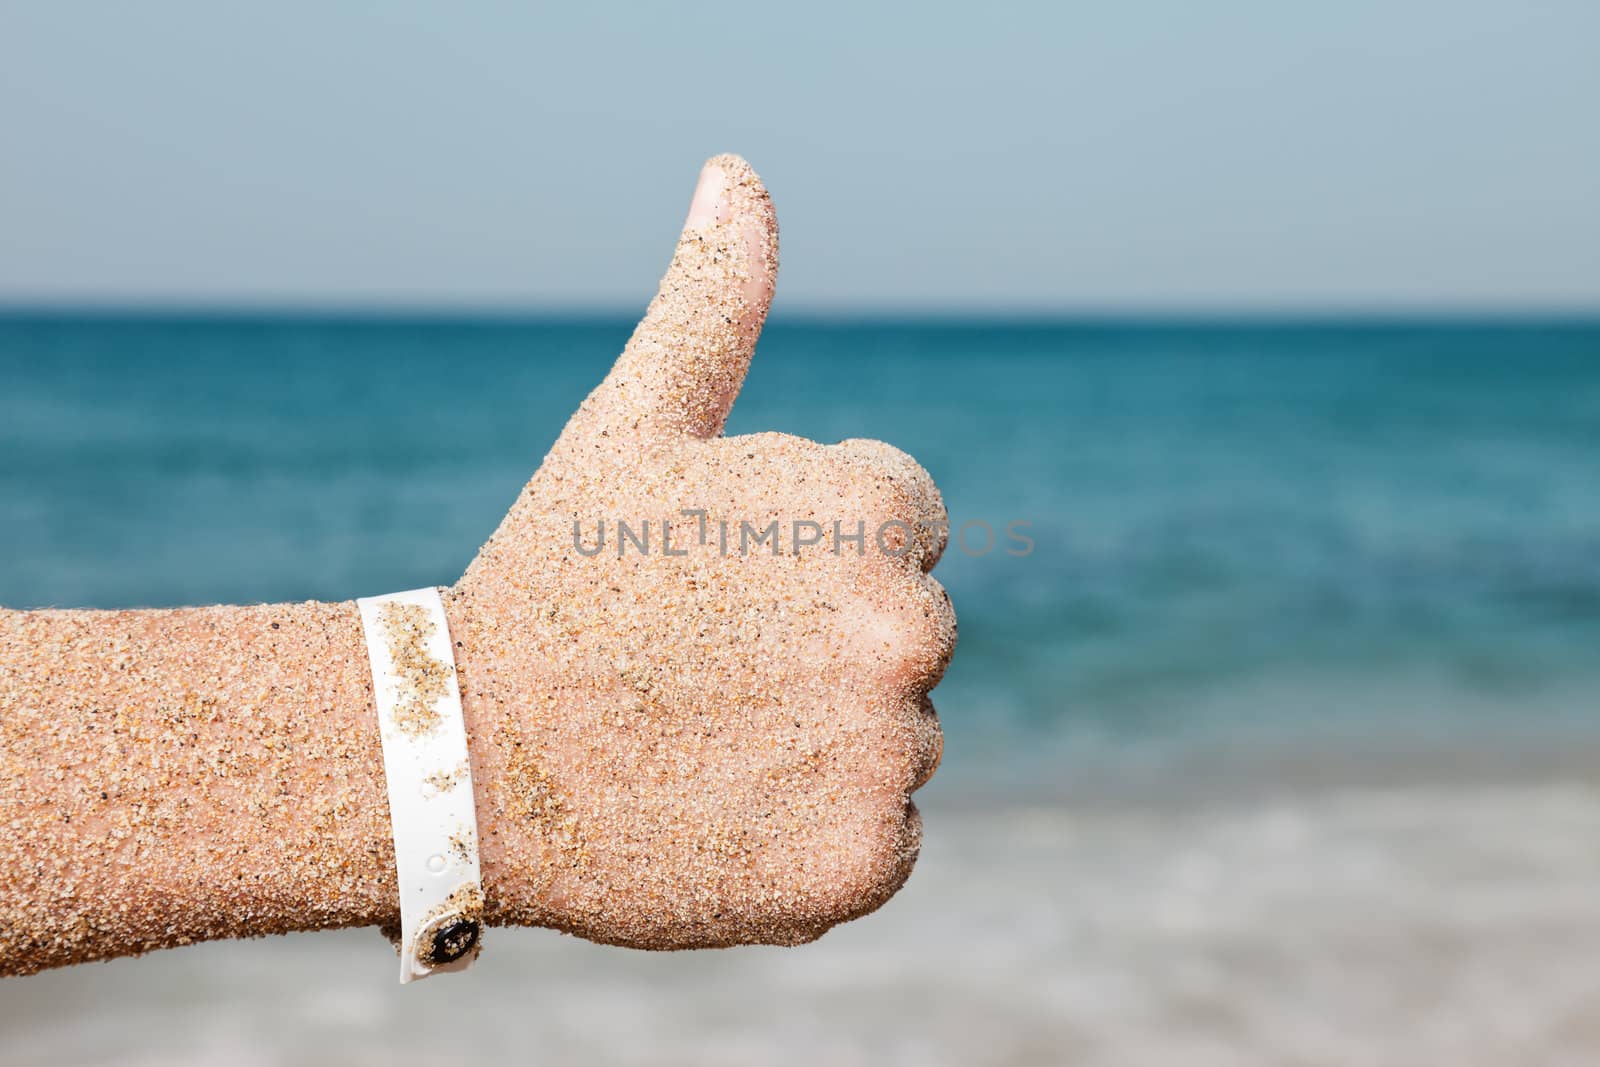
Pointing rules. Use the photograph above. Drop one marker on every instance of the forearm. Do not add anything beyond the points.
(175, 776)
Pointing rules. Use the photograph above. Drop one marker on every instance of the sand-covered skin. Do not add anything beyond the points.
(177, 776)
(668, 750)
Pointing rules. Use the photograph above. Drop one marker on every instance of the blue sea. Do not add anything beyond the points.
(1282, 744)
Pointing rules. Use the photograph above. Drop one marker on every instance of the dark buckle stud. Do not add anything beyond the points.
(451, 938)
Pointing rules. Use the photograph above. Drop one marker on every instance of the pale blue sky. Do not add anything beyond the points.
(1112, 156)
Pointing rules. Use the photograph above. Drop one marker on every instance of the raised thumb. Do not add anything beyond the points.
(686, 360)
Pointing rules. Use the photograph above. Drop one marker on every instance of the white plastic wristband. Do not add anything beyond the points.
(430, 781)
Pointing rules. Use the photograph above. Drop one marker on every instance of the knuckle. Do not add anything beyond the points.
(928, 636)
(895, 644)
(893, 487)
(769, 442)
(935, 528)
(899, 743)
(894, 478)
(906, 846)
(908, 744)
(888, 459)
(870, 497)
(861, 853)
(927, 748)
(882, 855)
(907, 634)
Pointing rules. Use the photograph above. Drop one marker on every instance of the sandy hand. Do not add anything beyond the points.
(703, 730)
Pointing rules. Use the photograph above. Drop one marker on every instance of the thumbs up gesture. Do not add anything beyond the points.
(694, 667)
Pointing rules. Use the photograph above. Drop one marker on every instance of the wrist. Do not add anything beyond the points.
(515, 814)
(345, 805)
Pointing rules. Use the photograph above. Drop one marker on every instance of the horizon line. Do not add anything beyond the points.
(1177, 314)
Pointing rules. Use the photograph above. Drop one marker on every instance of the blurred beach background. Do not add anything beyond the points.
(1279, 331)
